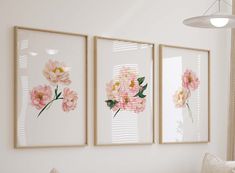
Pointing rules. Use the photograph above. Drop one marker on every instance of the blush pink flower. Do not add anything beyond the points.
(70, 99)
(125, 92)
(112, 90)
(40, 96)
(128, 80)
(133, 86)
(125, 102)
(181, 97)
(190, 80)
(56, 73)
(138, 104)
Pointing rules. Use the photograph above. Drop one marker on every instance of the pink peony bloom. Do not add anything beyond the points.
(131, 103)
(125, 102)
(128, 80)
(123, 90)
(40, 96)
(69, 100)
(133, 86)
(138, 104)
(112, 90)
(181, 97)
(56, 73)
(190, 80)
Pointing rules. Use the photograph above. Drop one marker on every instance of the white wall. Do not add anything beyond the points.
(148, 20)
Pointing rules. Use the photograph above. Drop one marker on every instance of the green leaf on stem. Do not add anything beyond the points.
(141, 92)
(111, 103)
(144, 87)
(56, 90)
(58, 95)
(141, 80)
(141, 95)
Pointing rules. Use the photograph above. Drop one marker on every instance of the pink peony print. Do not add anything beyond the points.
(180, 97)
(112, 90)
(56, 73)
(133, 85)
(126, 92)
(40, 96)
(138, 104)
(190, 80)
(69, 100)
(125, 101)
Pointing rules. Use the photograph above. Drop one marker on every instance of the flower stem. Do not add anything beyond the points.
(190, 111)
(48, 105)
(116, 112)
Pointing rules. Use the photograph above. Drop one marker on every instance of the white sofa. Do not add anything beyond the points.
(213, 164)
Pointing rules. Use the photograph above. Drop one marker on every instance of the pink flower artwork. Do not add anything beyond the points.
(56, 73)
(69, 100)
(126, 92)
(41, 96)
(181, 97)
(190, 82)
(138, 104)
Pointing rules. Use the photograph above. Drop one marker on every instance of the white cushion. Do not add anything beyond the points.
(213, 164)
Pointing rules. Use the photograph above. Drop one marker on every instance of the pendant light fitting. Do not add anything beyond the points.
(216, 20)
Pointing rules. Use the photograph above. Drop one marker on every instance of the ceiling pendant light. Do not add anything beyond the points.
(216, 20)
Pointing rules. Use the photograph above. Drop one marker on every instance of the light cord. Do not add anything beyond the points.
(212, 5)
(219, 5)
(230, 5)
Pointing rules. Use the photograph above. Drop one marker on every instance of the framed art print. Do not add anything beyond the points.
(184, 95)
(51, 82)
(124, 82)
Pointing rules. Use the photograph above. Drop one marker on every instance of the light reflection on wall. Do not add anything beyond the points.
(24, 44)
(173, 123)
(23, 85)
(21, 119)
(198, 98)
(23, 61)
(120, 46)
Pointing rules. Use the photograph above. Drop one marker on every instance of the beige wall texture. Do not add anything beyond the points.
(157, 21)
